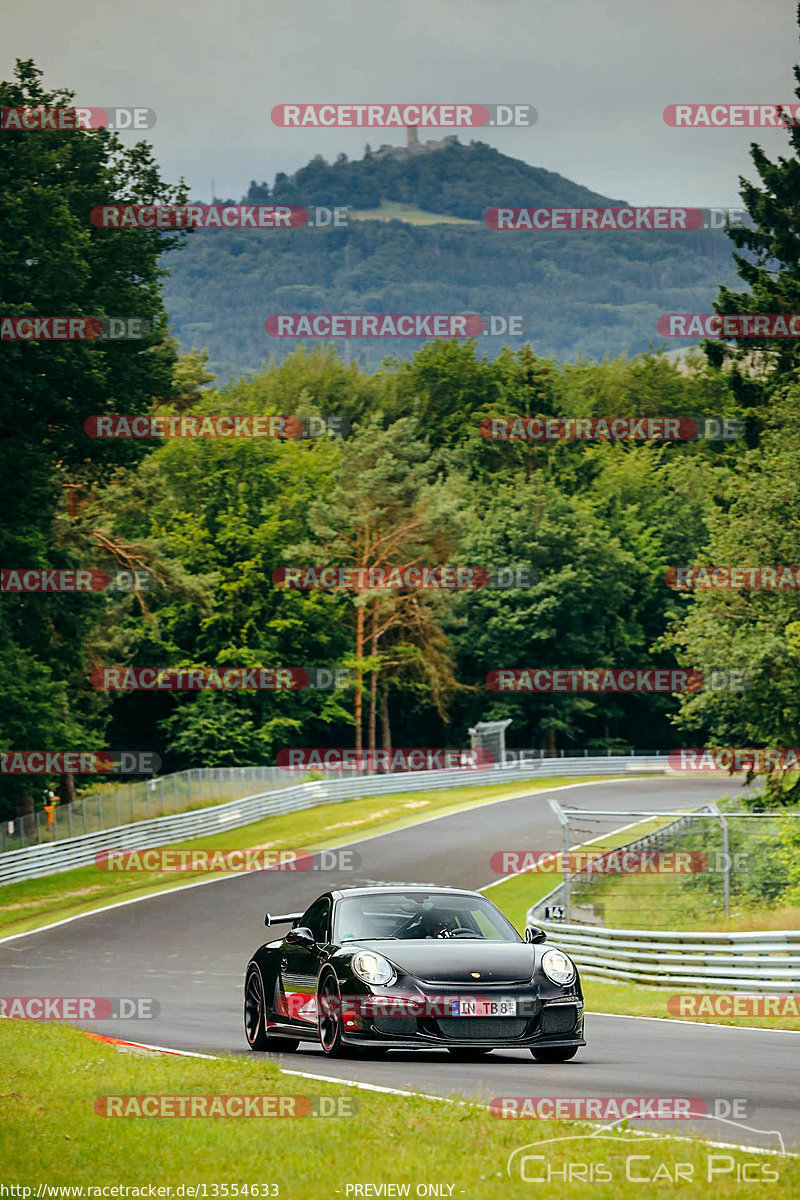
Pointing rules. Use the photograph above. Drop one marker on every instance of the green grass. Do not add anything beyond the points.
(32, 903)
(396, 210)
(50, 1132)
(638, 1000)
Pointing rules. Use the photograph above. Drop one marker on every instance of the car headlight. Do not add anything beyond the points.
(373, 968)
(558, 967)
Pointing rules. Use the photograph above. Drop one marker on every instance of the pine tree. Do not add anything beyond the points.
(770, 268)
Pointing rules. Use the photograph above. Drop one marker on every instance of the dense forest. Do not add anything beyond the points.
(597, 523)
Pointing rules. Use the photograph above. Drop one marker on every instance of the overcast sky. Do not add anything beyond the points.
(599, 74)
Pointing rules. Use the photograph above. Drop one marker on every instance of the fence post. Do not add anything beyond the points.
(563, 820)
(726, 868)
(567, 897)
(726, 858)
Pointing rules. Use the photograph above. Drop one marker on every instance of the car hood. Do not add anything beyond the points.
(445, 960)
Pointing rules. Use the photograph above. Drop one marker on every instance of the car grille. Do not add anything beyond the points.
(396, 1026)
(482, 1028)
(558, 1018)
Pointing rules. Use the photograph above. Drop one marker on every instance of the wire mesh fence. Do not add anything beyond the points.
(142, 800)
(686, 870)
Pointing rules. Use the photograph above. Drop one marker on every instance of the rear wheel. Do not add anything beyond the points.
(254, 1029)
(554, 1054)
(467, 1052)
(254, 1025)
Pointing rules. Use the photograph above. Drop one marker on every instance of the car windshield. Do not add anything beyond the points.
(407, 915)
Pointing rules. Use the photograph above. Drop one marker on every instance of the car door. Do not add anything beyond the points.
(300, 965)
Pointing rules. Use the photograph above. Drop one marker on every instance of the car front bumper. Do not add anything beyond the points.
(540, 1021)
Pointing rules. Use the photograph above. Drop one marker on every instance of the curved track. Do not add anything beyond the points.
(188, 950)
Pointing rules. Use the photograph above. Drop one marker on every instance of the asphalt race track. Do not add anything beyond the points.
(188, 949)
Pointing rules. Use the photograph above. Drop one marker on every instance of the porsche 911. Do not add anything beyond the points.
(411, 968)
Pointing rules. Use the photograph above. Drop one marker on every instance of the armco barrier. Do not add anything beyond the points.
(63, 855)
(752, 962)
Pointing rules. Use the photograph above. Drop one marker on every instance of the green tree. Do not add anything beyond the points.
(54, 262)
(770, 268)
(757, 631)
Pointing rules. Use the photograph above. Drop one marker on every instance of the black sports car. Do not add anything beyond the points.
(409, 967)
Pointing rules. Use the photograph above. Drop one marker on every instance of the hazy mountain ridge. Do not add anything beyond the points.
(592, 293)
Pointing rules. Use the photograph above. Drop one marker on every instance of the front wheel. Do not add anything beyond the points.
(554, 1054)
(329, 1011)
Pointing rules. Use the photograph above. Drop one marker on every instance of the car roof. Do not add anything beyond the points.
(395, 888)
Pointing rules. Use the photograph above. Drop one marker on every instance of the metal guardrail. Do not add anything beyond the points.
(68, 853)
(144, 799)
(753, 962)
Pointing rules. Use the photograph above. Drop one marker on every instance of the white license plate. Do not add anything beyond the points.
(467, 1007)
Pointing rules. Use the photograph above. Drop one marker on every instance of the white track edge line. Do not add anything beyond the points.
(376, 1087)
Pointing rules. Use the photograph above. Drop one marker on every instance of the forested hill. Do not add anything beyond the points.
(455, 180)
(591, 293)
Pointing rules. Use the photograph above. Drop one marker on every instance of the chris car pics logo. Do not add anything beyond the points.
(609, 1155)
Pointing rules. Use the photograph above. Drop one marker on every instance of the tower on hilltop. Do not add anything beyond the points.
(412, 138)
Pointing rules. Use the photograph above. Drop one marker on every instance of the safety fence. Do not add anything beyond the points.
(281, 796)
(752, 962)
(143, 799)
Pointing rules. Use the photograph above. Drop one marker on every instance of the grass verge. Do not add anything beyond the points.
(31, 903)
(51, 1133)
(396, 210)
(638, 1000)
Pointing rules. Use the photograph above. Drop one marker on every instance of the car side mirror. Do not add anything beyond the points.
(301, 937)
(535, 935)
